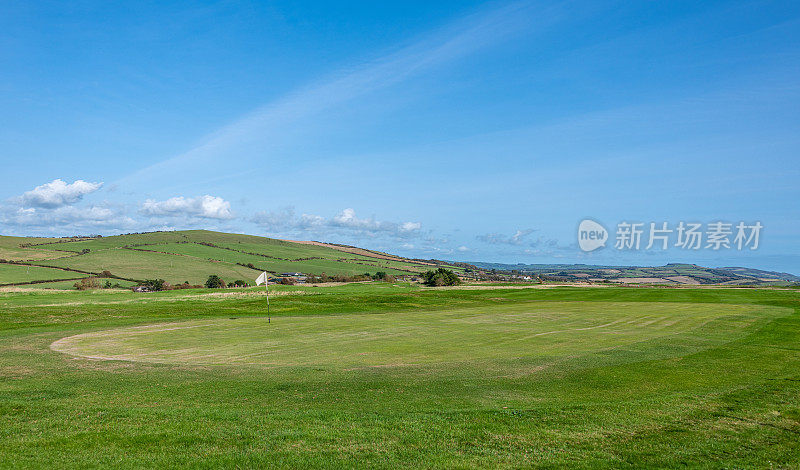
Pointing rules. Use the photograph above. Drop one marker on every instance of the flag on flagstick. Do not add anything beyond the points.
(262, 278)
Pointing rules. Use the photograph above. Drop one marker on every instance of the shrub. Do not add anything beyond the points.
(440, 277)
(239, 283)
(186, 285)
(154, 285)
(287, 281)
(214, 282)
(86, 284)
(382, 276)
(106, 274)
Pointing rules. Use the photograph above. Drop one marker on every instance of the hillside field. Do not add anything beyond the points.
(182, 256)
(396, 375)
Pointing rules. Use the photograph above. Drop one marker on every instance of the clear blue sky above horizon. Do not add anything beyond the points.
(482, 131)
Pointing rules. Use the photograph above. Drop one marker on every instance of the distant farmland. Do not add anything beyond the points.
(184, 256)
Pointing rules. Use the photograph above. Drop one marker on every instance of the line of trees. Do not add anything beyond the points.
(215, 282)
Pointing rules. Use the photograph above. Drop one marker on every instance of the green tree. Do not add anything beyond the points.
(440, 277)
(154, 285)
(214, 282)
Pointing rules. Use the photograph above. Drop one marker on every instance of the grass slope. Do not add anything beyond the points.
(193, 255)
(625, 377)
(15, 273)
(134, 264)
(329, 265)
(13, 248)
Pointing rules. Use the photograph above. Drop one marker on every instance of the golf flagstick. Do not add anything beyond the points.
(263, 277)
(266, 286)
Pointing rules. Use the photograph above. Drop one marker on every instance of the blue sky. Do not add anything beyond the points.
(458, 130)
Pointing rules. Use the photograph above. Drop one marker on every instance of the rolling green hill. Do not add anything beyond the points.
(182, 256)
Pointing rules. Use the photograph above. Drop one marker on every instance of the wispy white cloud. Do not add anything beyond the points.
(65, 219)
(498, 239)
(208, 207)
(455, 40)
(346, 222)
(347, 219)
(277, 220)
(522, 244)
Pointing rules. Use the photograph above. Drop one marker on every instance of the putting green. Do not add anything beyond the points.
(514, 338)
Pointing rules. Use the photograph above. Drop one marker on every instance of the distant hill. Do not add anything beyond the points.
(670, 274)
(180, 256)
(193, 255)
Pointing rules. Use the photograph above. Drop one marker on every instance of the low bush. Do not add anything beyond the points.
(440, 277)
(214, 282)
(88, 283)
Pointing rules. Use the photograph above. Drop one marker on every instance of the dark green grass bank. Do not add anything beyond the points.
(704, 395)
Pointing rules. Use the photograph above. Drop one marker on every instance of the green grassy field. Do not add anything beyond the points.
(190, 255)
(382, 375)
(70, 285)
(343, 263)
(15, 273)
(10, 248)
(132, 264)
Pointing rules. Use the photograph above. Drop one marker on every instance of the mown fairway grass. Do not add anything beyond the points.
(375, 375)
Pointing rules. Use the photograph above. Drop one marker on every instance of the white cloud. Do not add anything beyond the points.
(308, 221)
(463, 249)
(498, 239)
(346, 222)
(58, 193)
(208, 207)
(347, 219)
(410, 226)
(51, 209)
(67, 219)
(277, 220)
